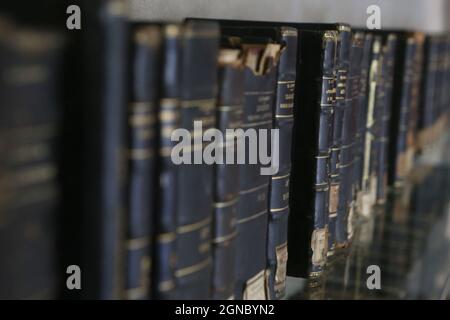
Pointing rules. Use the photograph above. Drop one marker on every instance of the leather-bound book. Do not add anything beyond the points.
(363, 102)
(368, 177)
(385, 100)
(345, 210)
(261, 57)
(104, 52)
(165, 223)
(141, 128)
(277, 245)
(226, 175)
(200, 44)
(30, 168)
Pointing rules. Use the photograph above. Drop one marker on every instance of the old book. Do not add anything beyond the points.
(226, 175)
(141, 161)
(368, 175)
(165, 223)
(200, 44)
(385, 101)
(277, 245)
(30, 167)
(261, 56)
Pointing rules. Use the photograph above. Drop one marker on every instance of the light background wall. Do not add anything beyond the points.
(427, 15)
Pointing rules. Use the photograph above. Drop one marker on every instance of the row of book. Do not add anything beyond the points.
(87, 175)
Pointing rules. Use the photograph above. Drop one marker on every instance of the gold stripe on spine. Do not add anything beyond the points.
(279, 209)
(253, 189)
(194, 226)
(225, 204)
(225, 238)
(201, 103)
(281, 177)
(166, 237)
(252, 217)
(138, 243)
(191, 269)
(140, 154)
(165, 286)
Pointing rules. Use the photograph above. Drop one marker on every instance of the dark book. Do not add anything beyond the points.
(103, 49)
(345, 208)
(163, 273)
(141, 127)
(308, 225)
(363, 101)
(226, 177)
(261, 56)
(30, 167)
(200, 44)
(277, 246)
(368, 176)
(384, 104)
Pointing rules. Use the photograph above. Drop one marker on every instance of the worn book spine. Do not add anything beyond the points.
(403, 115)
(413, 139)
(354, 93)
(345, 207)
(387, 75)
(367, 178)
(341, 73)
(226, 175)
(105, 50)
(200, 44)
(277, 251)
(30, 137)
(260, 76)
(362, 116)
(319, 237)
(141, 127)
(163, 270)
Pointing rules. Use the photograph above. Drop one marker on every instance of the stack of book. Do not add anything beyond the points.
(206, 159)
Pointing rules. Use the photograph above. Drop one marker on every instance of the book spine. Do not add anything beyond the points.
(277, 253)
(30, 136)
(226, 186)
(416, 95)
(105, 152)
(367, 181)
(354, 93)
(402, 135)
(200, 45)
(362, 115)
(260, 75)
(341, 73)
(319, 238)
(387, 75)
(163, 277)
(141, 160)
(346, 154)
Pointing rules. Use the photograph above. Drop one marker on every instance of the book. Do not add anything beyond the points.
(277, 245)
(141, 162)
(165, 222)
(345, 210)
(200, 45)
(385, 100)
(362, 116)
(226, 175)
(30, 165)
(368, 176)
(104, 52)
(261, 58)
